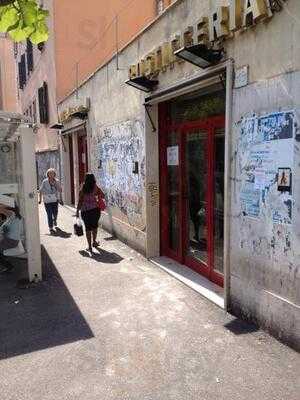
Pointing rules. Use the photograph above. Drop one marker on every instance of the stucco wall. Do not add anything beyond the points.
(8, 81)
(95, 29)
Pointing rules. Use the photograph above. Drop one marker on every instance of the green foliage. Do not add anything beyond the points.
(24, 19)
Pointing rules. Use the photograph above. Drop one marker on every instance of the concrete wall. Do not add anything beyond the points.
(264, 284)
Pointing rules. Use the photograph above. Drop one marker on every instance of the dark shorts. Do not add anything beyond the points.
(91, 218)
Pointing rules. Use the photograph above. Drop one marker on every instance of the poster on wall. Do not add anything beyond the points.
(172, 156)
(266, 166)
(121, 146)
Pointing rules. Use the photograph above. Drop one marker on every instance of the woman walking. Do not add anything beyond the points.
(89, 198)
(50, 191)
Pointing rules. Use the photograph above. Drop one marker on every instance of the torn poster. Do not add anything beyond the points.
(266, 145)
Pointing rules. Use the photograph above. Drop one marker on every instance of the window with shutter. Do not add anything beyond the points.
(43, 104)
(21, 86)
(41, 108)
(29, 52)
(46, 103)
(23, 71)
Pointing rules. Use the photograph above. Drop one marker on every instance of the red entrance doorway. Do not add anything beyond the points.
(192, 193)
(82, 157)
(71, 170)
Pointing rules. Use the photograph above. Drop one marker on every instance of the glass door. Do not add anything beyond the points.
(192, 193)
(196, 196)
(203, 198)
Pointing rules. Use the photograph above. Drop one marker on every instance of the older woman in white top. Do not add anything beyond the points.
(50, 191)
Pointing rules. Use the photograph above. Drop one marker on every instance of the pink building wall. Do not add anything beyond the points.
(43, 71)
(8, 81)
(86, 33)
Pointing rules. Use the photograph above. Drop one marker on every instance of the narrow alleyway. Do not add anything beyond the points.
(115, 327)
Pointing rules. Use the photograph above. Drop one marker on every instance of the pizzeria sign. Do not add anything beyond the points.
(221, 24)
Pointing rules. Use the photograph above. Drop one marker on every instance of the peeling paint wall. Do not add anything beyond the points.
(265, 260)
(115, 150)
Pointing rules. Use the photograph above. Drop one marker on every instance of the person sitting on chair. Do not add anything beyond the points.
(10, 232)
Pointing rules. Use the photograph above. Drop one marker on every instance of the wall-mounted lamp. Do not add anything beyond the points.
(200, 55)
(142, 83)
(57, 126)
(135, 167)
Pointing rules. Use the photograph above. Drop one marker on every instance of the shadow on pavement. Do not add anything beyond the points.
(110, 238)
(102, 256)
(41, 317)
(60, 233)
(239, 327)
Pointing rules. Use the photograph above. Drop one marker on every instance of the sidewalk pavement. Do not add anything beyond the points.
(115, 327)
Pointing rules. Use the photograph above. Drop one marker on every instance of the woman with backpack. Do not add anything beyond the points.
(90, 200)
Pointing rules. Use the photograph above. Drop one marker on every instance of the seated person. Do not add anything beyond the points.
(10, 232)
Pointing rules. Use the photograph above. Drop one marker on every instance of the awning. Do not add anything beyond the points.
(203, 79)
(73, 129)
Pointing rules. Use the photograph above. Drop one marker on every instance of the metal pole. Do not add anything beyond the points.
(117, 41)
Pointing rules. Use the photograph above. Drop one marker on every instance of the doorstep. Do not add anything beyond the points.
(192, 279)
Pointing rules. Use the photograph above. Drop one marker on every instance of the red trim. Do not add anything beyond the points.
(71, 170)
(183, 129)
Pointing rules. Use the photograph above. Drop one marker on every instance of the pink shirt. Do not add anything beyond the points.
(89, 201)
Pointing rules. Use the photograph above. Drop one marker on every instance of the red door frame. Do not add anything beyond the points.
(71, 169)
(183, 129)
(82, 152)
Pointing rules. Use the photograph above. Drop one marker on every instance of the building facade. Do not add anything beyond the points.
(83, 46)
(8, 84)
(204, 169)
(37, 96)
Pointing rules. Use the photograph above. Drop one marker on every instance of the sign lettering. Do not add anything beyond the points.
(222, 23)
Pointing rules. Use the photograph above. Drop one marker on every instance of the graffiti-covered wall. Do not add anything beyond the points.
(120, 169)
(265, 233)
(44, 161)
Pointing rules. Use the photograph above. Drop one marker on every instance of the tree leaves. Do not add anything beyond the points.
(24, 19)
(9, 18)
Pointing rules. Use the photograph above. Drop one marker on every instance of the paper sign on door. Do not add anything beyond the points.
(172, 155)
